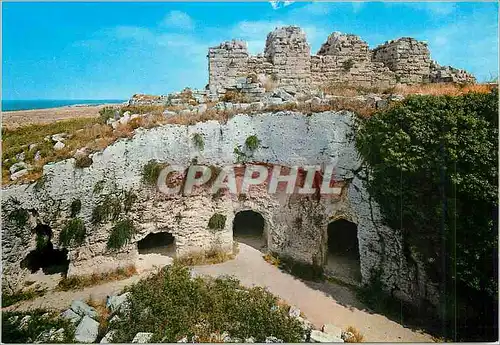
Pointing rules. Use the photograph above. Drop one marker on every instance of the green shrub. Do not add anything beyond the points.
(73, 233)
(217, 221)
(41, 321)
(433, 169)
(151, 171)
(252, 143)
(106, 113)
(198, 141)
(76, 206)
(121, 234)
(171, 305)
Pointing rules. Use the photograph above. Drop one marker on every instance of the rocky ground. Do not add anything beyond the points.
(321, 303)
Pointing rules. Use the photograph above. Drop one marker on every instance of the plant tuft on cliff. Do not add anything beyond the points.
(121, 234)
(76, 206)
(73, 233)
(151, 171)
(252, 143)
(109, 208)
(198, 141)
(217, 221)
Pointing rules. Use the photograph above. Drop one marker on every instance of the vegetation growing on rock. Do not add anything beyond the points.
(252, 143)
(121, 234)
(108, 209)
(433, 170)
(73, 233)
(172, 305)
(151, 171)
(217, 221)
(76, 206)
(198, 141)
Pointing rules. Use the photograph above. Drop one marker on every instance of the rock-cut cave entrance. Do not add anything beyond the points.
(44, 256)
(248, 228)
(162, 243)
(343, 251)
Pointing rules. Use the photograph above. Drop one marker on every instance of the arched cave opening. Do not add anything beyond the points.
(248, 228)
(162, 243)
(343, 250)
(44, 256)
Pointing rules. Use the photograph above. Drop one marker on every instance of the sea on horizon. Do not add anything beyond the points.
(13, 105)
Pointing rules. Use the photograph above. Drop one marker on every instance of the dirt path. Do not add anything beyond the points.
(314, 299)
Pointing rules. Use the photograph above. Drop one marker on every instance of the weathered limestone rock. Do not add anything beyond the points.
(108, 338)
(142, 338)
(83, 309)
(18, 174)
(321, 337)
(87, 330)
(116, 303)
(71, 315)
(59, 145)
(272, 340)
(294, 312)
(18, 166)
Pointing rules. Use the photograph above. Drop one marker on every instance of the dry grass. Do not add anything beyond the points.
(210, 257)
(271, 259)
(102, 312)
(438, 89)
(349, 90)
(79, 282)
(357, 338)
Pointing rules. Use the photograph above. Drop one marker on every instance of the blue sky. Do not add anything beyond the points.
(113, 50)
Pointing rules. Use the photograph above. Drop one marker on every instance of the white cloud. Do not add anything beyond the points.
(178, 19)
(276, 4)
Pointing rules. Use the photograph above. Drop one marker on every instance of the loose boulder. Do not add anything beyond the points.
(87, 330)
(322, 337)
(83, 309)
(142, 338)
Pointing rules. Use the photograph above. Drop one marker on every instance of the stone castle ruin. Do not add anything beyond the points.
(287, 62)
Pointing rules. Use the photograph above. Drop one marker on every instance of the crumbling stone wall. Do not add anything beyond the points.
(289, 53)
(448, 74)
(407, 57)
(343, 58)
(226, 62)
